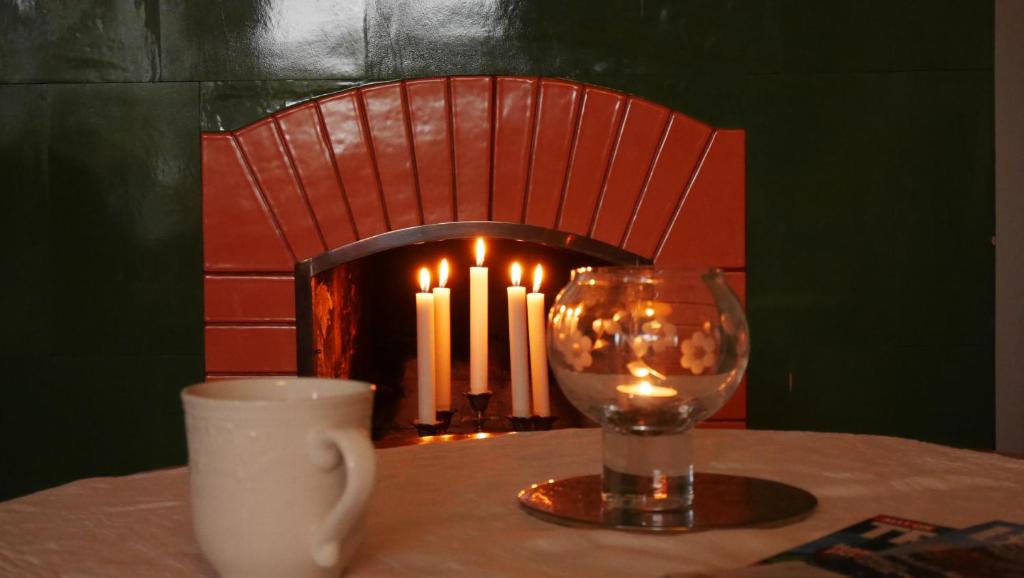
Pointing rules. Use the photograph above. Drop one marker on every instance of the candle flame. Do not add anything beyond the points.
(425, 279)
(442, 276)
(517, 274)
(538, 276)
(641, 369)
(646, 389)
(480, 250)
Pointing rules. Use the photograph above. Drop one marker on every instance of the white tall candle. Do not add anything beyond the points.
(520, 369)
(443, 340)
(478, 322)
(425, 350)
(538, 347)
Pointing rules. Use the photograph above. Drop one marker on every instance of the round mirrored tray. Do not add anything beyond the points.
(720, 501)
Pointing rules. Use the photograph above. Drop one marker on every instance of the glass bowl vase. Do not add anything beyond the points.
(648, 353)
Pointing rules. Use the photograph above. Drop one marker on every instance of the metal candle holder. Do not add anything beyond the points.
(443, 420)
(445, 417)
(520, 423)
(478, 402)
(429, 429)
(532, 423)
(542, 422)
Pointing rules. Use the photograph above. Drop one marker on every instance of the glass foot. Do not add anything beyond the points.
(647, 466)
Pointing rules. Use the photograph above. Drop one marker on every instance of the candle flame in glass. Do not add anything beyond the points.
(517, 274)
(646, 389)
(641, 369)
(425, 279)
(442, 275)
(538, 276)
(480, 250)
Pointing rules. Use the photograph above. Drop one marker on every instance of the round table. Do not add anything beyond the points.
(450, 509)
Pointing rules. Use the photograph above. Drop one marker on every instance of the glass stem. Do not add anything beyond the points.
(647, 469)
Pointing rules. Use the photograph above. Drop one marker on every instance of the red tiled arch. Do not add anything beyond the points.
(558, 106)
(430, 123)
(240, 232)
(472, 119)
(596, 130)
(643, 127)
(546, 152)
(265, 153)
(345, 122)
(513, 139)
(388, 121)
(306, 142)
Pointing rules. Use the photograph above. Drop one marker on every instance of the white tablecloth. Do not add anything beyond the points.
(450, 509)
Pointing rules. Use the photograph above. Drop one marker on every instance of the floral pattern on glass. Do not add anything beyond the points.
(698, 352)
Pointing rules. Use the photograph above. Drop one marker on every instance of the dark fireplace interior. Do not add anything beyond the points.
(364, 323)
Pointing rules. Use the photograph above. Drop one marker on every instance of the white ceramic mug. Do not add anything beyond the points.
(281, 471)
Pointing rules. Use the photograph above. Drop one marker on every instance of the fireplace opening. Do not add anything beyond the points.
(356, 311)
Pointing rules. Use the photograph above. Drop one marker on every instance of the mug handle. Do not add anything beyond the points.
(354, 447)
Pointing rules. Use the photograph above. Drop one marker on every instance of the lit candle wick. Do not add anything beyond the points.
(480, 250)
(425, 279)
(443, 273)
(538, 276)
(517, 274)
(645, 389)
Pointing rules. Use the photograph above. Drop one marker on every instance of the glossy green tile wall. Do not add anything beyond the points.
(870, 195)
(102, 287)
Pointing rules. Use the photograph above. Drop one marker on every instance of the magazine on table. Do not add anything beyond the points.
(993, 549)
(892, 547)
(872, 535)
